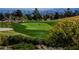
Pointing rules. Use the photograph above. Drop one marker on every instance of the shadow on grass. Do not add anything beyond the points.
(19, 28)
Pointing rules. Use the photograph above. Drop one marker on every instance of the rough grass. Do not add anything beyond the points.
(5, 24)
(8, 33)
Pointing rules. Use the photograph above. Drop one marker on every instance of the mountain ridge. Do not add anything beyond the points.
(41, 10)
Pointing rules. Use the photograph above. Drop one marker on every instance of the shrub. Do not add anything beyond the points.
(16, 39)
(35, 41)
(65, 33)
(23, 46)
(2, 39)
(13, 40)
(75, 47)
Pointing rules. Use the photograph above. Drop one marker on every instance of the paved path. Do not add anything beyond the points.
(5, 29)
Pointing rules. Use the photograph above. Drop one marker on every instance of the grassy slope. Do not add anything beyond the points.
(8, 33)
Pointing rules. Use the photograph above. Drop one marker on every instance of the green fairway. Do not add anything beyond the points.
(37, 26)
(38, 30)
(32, 29)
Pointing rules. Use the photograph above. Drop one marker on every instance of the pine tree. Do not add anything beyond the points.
(18, 13)
(56, 16)
(36, 14)
(68, 13)
(1, 16)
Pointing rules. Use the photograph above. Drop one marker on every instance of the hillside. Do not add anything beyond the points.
(74, 17)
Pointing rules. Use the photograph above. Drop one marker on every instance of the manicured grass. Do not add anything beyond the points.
(38, 30)
(32, 29)
(37, 26)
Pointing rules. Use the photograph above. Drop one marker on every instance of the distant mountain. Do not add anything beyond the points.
(41, 10)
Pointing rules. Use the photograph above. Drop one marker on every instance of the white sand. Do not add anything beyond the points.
(5, 29)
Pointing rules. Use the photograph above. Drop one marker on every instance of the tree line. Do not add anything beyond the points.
(36, 15)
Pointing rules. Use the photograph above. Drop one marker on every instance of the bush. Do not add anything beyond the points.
(23, 46)
(16, 39)
(35, 41)
(2, 39)
(64, 34)
(13, 40)
(75, 47)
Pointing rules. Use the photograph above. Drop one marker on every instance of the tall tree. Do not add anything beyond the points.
(36, 14)
(29, 17)
(68, 13)
(76, 13)
(45, 17)
(56, 16)
(18, 13)
(1, 16)
(7, 15)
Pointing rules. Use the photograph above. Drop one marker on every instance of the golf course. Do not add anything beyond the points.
(32, 29)
(36, 30)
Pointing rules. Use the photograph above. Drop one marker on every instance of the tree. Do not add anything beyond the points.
(36, 14)
(7, 15)
(51, 16)
(68, 13)
(56, 16)
(1, 16)
(45, 17)
(18, 13)
(29, 16)
(76, 13)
